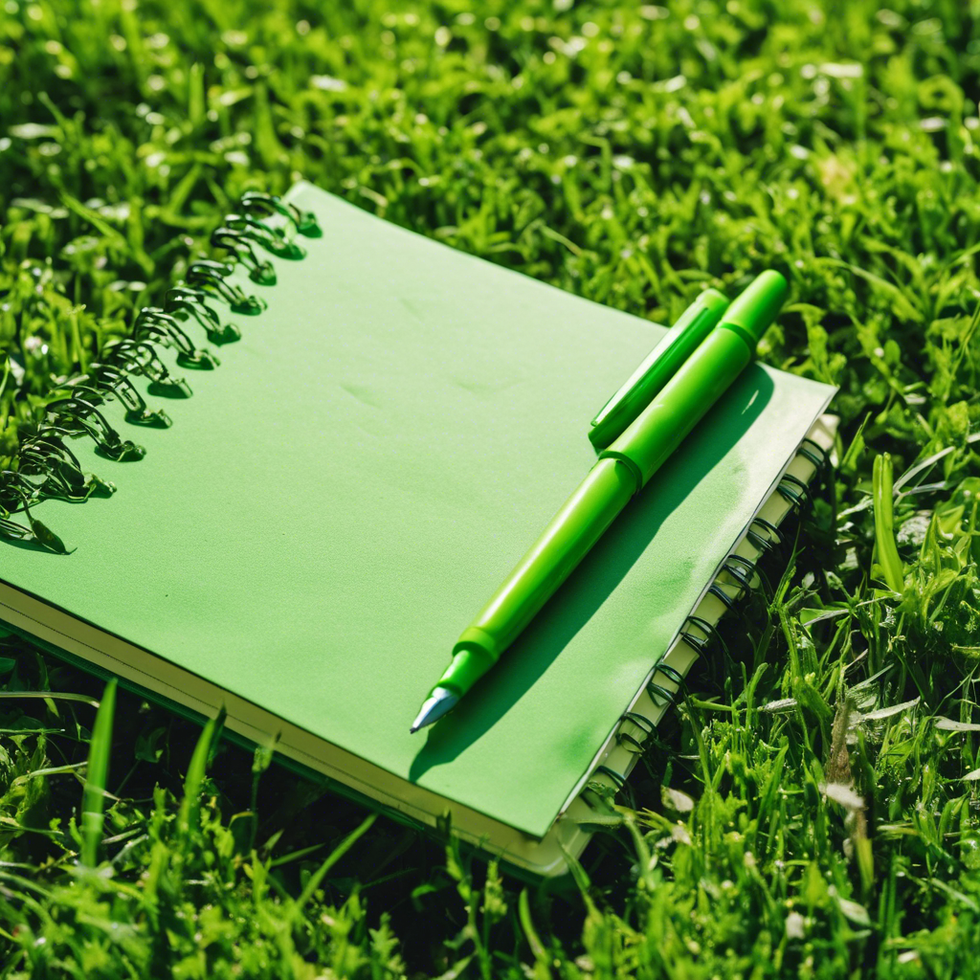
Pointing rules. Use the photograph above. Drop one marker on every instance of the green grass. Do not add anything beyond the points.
(812, 808)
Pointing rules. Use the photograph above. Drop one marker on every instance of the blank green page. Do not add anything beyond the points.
(338, 498)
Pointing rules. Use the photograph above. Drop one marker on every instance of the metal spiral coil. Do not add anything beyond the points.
(267, 205)
(78, 416)
(211, 276)
(272, 239)
(183, 302)
(109, 382)
(240, 244)
(45, 467)
(794, 490)
(155, 325)
(742, 576)
(139, 357)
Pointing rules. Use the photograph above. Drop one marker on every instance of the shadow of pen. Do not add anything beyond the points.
(598, 575)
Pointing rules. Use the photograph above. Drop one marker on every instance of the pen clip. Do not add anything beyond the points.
(660, 365)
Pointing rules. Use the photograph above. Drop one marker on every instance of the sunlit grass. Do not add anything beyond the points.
(811, 807)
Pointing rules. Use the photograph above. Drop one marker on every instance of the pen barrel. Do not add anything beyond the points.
(564, 543)
(681, 403)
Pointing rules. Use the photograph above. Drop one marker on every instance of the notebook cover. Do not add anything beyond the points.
(341, 496)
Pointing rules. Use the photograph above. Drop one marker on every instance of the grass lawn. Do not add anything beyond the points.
(812, 808)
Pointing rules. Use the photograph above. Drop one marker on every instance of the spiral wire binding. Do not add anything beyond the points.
(103, 379)
(211, 277)
(658, 692)
(265, 205)
(640, 721)
(700, 643)
(745, 572)
(45, 467)
(138, 357)
(182, 299)
(794, 490)
(814, 452)
(773, 536)
(737, 577)
(78, 416)
(154, 324)
(617, 777)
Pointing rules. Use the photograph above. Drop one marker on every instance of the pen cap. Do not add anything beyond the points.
(701, 380)
(693, 325)
(754, 309)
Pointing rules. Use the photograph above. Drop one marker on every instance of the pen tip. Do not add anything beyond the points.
(438, 704)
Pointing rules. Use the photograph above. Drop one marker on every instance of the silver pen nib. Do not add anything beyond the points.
(442, 701)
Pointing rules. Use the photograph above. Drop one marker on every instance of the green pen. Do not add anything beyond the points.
(622, 470)
(660, 365)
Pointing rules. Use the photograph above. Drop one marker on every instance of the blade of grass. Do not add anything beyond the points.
(190, 806)
(886, 549)
(339, 851)
(96, 774)
(57, 696)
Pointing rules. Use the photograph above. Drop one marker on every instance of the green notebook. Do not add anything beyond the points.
(337, 499)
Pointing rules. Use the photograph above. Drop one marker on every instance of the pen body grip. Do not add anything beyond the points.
(681, 403)
(563, 544)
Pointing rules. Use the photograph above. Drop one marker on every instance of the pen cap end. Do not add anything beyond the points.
(660, 365)
(713, 300)
(758, 305)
